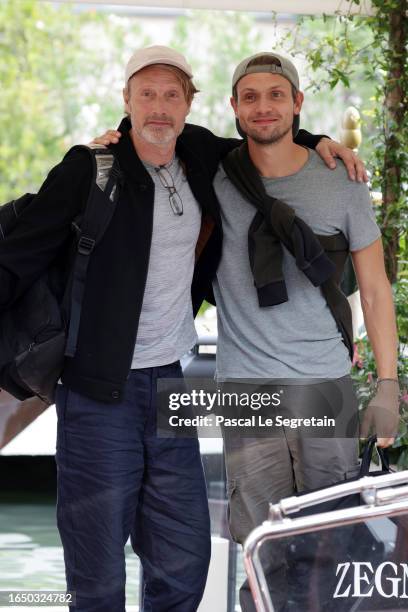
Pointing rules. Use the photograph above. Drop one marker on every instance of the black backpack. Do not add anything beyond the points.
(41, 327)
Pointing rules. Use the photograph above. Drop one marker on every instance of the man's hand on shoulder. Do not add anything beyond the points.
(330, 149)
(109, 137)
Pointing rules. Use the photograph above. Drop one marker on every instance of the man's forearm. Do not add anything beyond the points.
(379, 318)
(307, 139)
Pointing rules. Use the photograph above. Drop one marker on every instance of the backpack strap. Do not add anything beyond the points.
(99, 209)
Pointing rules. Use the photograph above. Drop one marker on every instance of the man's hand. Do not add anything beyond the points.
(329, 149)
(109, 137)
(382, 413)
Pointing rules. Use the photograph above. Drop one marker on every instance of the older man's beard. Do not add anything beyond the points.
(159, 134)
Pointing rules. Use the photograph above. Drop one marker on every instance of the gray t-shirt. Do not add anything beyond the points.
(166, 327)
(299, 338)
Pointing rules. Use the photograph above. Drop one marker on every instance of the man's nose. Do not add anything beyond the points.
(161, 105)
(156, 105)
(264, 105)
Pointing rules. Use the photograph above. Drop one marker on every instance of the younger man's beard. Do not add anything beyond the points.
(273, 138)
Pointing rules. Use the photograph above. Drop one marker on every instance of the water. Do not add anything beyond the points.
(31, 555)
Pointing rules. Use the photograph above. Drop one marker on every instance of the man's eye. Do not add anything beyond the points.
(146, 94)
(249, 97)
(173, 94)
(277, 94)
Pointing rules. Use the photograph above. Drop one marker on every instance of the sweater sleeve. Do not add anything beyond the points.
(44, 226)
(308, 140)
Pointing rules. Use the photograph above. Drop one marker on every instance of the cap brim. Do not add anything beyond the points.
(161, 61)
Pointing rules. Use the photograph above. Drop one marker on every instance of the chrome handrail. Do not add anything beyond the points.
(387, 495)
(382, 502)
(296, 503)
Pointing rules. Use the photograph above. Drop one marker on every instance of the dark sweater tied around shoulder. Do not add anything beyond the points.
(274, 224)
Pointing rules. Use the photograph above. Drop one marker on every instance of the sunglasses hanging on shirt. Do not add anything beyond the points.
(167, 181)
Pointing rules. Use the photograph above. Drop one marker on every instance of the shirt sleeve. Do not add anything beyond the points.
(361, 228)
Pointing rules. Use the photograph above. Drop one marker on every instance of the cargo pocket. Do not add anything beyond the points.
(235, 513)
(352, 472)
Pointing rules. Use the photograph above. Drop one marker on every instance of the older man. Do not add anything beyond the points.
(115, 477)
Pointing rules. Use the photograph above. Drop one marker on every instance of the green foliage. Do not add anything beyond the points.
(323, 54)
(61, 72)
(62, 76)
(369, 55)
(364, 373)
(223, 40)
(31, 131)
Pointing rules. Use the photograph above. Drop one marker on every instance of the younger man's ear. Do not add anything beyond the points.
(298, 102)
(234, 105)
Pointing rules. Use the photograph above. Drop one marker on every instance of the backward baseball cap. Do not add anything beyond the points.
(156, 54)
(279, 65)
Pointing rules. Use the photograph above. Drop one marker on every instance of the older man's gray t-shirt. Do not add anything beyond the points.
(299, 338)
(166, 327)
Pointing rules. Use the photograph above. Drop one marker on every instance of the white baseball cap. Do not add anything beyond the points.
(157, 54)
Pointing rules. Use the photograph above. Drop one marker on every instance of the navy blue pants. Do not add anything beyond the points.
(115, 479)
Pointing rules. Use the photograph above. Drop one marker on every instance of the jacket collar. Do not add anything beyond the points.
(196, 173)
(128, 158)
(128, 155)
